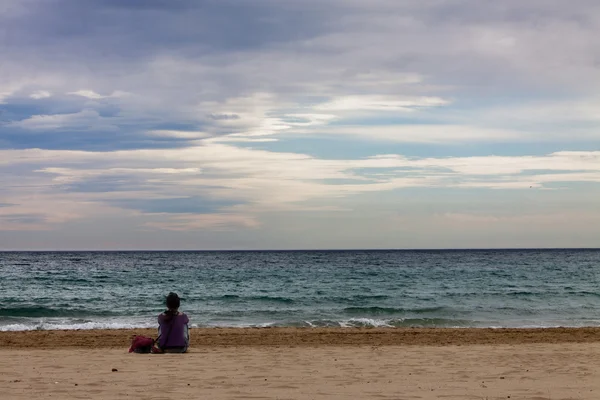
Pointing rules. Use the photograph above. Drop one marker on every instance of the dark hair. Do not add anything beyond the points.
(173, 302)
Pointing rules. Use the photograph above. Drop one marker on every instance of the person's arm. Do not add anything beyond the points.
(187, 331)
(159, 329)
(156, 348)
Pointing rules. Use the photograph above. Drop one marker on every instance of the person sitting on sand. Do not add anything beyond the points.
(173, 328)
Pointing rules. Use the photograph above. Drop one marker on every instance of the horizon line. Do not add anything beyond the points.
(293, 250)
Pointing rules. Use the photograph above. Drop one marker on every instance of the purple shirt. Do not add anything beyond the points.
(173, 332)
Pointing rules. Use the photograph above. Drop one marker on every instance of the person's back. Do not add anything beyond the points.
(173, 328)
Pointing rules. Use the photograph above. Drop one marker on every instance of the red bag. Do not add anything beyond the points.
(141, 344)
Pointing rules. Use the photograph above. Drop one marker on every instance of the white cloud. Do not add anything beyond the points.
(84, 120)
(81, 173)
(308, 119)
(264, 177)
(40, 94)
(239, 139)
(178, 134)
(429, 133)
(258, 181)
(548, 120)
(507, 166)
(90, 94)
(380, 103)
(3, 96)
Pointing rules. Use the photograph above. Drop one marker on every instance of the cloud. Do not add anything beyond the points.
(34, 212)
(308, 119)
(83, 120)
(40, 94)
(432, 133)
(252, 181)
(226, 117)
(240, 139)
(119, 171)
(279, 107)
(215, 222)
(177, 134)
(381, 59)
(379, 103)
(4, 95)
(90, 94)
(19, 222)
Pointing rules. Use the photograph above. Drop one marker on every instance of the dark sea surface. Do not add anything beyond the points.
(455, 288)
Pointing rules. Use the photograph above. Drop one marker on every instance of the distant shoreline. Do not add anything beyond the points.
(223, 337)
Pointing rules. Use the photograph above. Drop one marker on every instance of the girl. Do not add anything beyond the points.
(173, 329)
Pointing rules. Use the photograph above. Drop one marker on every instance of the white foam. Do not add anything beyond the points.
(63, 325)
(16, 328)
(139, 323)
(377, 323)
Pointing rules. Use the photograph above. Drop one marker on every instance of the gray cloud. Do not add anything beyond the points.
(23, 219)
(219, 117)
(183, 62)
(140, 28)
(377, 35)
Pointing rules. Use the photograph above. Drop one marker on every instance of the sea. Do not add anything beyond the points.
(444, 288)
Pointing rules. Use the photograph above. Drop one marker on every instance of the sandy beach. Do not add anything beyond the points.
(120, 338)
(287, 363)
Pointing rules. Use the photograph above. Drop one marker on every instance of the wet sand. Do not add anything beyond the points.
(305, 337)
(482, 364)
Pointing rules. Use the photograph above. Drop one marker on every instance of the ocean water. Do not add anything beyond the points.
(476, 288)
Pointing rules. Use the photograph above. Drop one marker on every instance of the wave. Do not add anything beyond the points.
(41, 312)
(63, 280)
(583, 293)
(266, 299)
(73, 325)
(390, 323)
(391, 310)
(57, 324)
(287, 300)
(28, 324)
(357, 298)
(408, 323)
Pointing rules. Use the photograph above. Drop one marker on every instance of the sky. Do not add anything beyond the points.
(299, 124)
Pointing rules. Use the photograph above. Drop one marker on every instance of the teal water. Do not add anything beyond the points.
(475, 288)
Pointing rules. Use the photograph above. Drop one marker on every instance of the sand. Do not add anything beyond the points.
(423, 364)
(305, 337)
